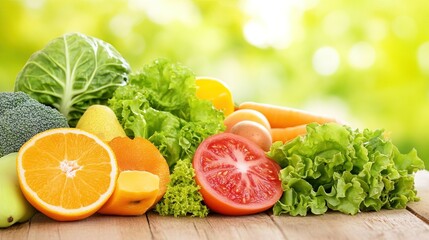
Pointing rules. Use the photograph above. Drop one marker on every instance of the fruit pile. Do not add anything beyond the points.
(83, 135)
(71, 173)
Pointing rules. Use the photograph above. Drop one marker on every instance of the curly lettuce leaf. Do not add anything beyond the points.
(160, 103)
(335, 167)
(168, 86)
(182, 197)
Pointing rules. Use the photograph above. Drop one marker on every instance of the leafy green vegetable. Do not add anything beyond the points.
(159, 103)
(73, 72)
(22, 117)
(182, 196)
(335, 167)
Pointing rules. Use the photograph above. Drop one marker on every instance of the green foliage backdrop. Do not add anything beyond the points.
(365, 61)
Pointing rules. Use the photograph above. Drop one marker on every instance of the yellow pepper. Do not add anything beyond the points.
(217, 92)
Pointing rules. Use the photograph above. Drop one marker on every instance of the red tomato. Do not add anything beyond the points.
(235, 176)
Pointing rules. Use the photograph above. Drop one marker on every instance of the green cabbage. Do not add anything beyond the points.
(73, 72)
(159, 103)
(335, 167)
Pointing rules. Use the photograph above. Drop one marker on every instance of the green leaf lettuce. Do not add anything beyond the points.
(182, 197)
(335, 167)
(159, 103)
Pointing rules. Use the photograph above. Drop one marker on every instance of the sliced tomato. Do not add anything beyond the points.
(235, 176)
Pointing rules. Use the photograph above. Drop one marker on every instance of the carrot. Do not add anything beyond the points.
(282, 116)
(288, 133)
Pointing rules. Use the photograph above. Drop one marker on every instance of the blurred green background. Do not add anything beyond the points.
(365, 61)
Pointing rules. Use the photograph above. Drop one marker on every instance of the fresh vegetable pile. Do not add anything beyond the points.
(175, 144)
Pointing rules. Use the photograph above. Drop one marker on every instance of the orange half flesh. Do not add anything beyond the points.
(66, 173)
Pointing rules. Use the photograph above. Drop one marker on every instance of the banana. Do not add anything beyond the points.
(13, 205)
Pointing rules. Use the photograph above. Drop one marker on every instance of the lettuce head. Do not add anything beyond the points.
(337, 168)
(159, 103)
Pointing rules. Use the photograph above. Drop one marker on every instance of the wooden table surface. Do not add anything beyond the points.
(409, 223)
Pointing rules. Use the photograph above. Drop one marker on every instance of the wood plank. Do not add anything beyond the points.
(258, 226)
(17, 231)
(94, 227)
(421, 208)
(386, 224)
(167, 227)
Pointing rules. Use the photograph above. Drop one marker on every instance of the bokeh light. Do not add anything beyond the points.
(326, 60)
(362, 55)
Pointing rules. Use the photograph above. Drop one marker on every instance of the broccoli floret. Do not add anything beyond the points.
(10, 100)
(22, 117)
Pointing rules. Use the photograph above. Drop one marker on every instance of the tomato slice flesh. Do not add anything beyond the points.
(235, 176)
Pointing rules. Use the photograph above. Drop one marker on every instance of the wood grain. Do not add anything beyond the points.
(18, 231)
(256, 226)
(386, 224)
(95, 227)
(421, 208)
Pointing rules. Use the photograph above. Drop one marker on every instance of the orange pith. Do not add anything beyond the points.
(67, 174)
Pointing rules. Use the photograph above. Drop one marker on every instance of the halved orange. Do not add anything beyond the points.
(67, 173)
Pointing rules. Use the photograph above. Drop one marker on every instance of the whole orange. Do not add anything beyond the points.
(140, 154)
